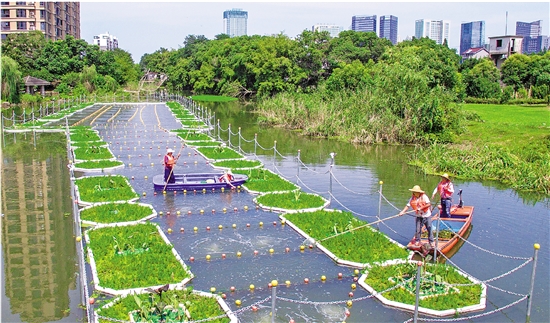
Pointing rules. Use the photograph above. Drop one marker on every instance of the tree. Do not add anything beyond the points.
(515, 71)
(11, 77)
(355, 45)
(482, 80)
(24, 48)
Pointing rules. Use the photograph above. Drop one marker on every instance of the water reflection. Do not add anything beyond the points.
(38, 247)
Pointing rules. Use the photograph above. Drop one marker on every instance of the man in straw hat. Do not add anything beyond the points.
(445, 189)
(420, 203)
(169, 162)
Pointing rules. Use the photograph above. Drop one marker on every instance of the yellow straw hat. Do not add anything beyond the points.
(446, 176)
(416, 189)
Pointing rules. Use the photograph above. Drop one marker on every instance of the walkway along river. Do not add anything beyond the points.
(504, 231)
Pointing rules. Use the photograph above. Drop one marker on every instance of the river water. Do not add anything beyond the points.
(39, 257)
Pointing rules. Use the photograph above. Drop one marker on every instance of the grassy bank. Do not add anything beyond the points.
(510, 144)
(213, 98)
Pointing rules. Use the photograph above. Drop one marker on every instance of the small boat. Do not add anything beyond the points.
(197, 181)
(451, 230)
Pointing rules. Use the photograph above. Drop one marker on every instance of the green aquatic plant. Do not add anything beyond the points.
(199, 307)
(219, 152)
(264, 181)
(295, 200)
(120, 267)
(98, 164)
(237, 163)
(105, 189)
(115, 212)
(362, 245)
(435, 276)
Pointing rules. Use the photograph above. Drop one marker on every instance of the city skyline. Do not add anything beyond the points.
(149, 26)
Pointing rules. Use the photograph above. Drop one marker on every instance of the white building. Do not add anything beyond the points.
(106, 41)
(333, 30)
(437, 30)
(235, 22)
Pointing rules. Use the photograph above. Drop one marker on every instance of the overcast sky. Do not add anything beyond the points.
(144, 27)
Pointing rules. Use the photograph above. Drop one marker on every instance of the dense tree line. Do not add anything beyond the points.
(72, 65)
(266, 65)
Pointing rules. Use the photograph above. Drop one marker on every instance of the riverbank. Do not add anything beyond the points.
(510, 144)
(505, 143)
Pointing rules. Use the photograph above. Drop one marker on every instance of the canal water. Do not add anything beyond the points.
(38, 254)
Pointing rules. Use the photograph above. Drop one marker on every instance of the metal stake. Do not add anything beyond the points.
(529, 301)
(418, 268)
(273, 299)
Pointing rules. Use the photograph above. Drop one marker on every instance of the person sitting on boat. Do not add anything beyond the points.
(228, 178)
(169, 162)
(420, 203)
(445, 189)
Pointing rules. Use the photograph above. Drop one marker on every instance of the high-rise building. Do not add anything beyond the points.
(363, 23)
(234, 22)
(528, 29)
(333, 30)
(533, 41)
(56, 20)
(437, 30)
(388, 28)
(106, 41)
(472, 35)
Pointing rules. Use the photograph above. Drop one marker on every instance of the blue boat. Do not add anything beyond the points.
(198, 181)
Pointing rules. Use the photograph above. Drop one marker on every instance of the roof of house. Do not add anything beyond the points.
(33, 81)
(473, 51)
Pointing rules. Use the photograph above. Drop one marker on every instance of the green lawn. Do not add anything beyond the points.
(509, 125)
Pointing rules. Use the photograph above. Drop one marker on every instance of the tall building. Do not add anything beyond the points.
(472, 35)
(363, 23)
(528, 29)
(388, 28)
(56, 20)
(533, 41)
(234, 22)
(106, 41)
(333, 30)
(437, 30)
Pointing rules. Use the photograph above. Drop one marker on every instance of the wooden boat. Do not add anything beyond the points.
(451, 230)
(197, 181)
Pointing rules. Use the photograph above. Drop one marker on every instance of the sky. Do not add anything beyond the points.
(143, 27)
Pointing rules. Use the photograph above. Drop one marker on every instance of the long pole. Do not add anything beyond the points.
(529, 298)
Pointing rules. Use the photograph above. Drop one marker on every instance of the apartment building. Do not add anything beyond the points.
(56, 20)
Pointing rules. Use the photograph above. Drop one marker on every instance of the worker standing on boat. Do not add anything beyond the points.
(445, 189)
(420, 203)
(169, 162)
